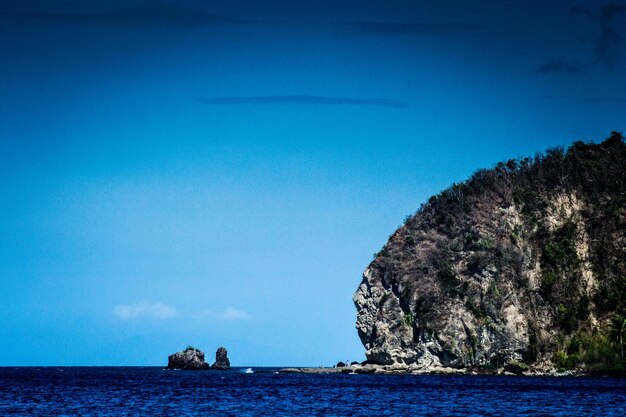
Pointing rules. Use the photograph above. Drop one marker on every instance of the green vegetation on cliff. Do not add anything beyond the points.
(524, 262)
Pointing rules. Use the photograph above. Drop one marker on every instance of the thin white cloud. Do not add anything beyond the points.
(144, 309)
(234, 314)
(158, 310)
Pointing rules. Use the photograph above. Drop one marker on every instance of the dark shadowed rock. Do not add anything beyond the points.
(221, 360)
(340, 365)
(517, 368)
(190, 358)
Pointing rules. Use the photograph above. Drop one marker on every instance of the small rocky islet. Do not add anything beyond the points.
(193, 359)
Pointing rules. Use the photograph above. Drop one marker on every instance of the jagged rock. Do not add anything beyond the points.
(190, 359)
(505, 268)
(221, 360)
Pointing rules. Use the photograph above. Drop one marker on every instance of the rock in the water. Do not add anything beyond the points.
(190, 358)
(221, 360)
(340, 365)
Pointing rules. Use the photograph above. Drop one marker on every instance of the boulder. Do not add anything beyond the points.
(221, 360)
(190, 358)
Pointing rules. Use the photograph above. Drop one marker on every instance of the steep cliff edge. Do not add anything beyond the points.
(523, 264)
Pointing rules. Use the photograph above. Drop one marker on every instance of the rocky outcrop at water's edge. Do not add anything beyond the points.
(188, 359)
(193, 359)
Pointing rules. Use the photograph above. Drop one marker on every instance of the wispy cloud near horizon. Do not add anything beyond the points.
(233, 314)
(158, 311)
(302, 99)
(229, 313)
(144, 309)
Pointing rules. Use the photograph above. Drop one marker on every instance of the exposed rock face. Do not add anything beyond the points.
(221, 360)
(190, 359)
(510, 267)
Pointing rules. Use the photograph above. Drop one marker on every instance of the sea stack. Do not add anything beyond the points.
(221, 360)
(189, 359)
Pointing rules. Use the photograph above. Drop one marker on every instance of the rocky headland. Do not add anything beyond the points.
(520, 270)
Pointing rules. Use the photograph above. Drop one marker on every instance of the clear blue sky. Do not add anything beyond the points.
(220, 173)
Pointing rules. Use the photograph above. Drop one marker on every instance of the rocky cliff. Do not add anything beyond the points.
(522, 265)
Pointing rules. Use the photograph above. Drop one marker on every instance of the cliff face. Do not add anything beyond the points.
(524, 263)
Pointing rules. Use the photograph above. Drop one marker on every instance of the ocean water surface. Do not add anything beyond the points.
(152, 391)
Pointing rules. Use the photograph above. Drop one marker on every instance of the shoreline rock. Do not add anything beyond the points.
(397, 369)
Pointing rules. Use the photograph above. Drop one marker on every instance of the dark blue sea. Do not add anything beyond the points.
(147, 391)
